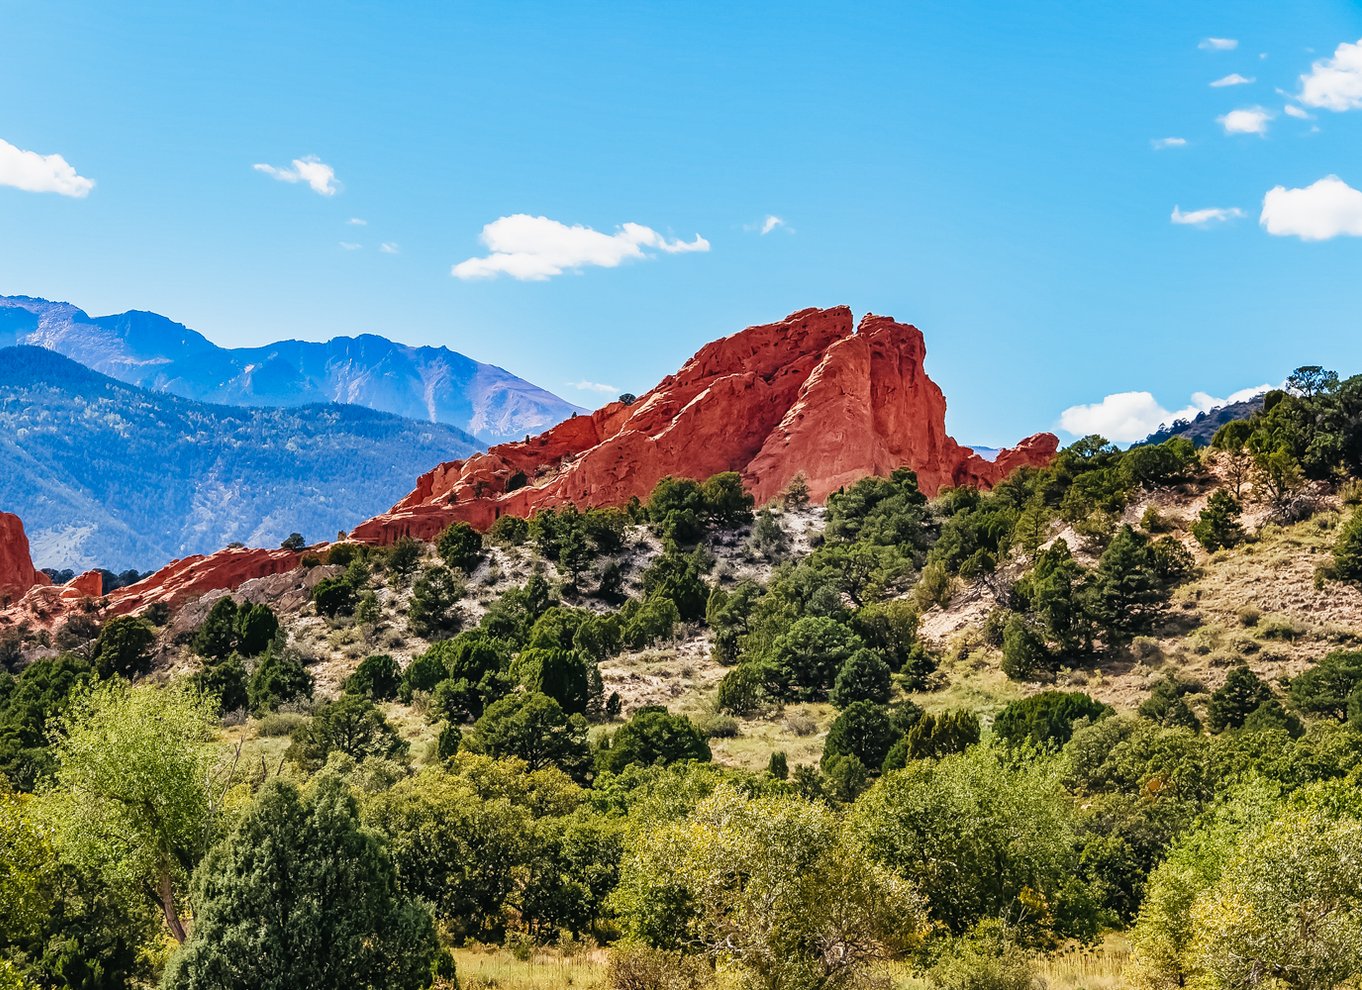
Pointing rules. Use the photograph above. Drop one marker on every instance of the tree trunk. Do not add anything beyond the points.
(166, 898)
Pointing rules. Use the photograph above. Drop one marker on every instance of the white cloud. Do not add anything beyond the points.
(1129, 416)
(1291, 110)
(1169, 142)
(355, 221)
(601, 387)
(1249, 120)
(1327, 208)
(388, 247)
(1218, 44)
(320, 176)
(536, 248)
(350, 246)
(1233, 79)
(1202, 218)
(770, 224)
(32, 172)
(1335, 83)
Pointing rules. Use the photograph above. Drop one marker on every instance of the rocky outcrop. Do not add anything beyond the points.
(812, 395)
(196, 576)
(17, 573)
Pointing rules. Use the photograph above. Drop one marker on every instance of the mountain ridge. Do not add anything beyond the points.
(107, 474)
(151, 351)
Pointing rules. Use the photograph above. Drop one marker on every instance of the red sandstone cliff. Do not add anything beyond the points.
(17, 573)
(810, 394)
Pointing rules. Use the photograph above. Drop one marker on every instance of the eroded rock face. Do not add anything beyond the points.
(812, 394)
(17, 573)
(196, 576)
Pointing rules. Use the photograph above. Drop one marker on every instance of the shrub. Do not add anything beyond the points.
(1024, 651)
(123, 647)
(403, 556)
(334, 596)
(1348, 549)
(807, 657)
(434, 602)
(652, 620)
(862, 730)
(216, 637)
(1233, 702)
(1047, 718)
(1325, 688)
(376, 678)
(987, 959)
(256, 627)
(278, 678)
(1218, 524)
(353, 726)
(742, 691)
(1167, 705)
(460, 546)
(635, 966)
(938, 734)
(863, 677)
(653, 737)
(509, 531)
(226, 681)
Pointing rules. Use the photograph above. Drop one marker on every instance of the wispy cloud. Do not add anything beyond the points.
(770, 224)
(318, 175)
(32, 172)
(1335, 83)
(1206, 217)
(1218, 44)
(1129, 416)
(350, 246)
(1321, 211)
(586, 386)
(1233, 79)
(537, 248)
(1160, 144)
(1248, 120)
(1291, 110)
(357, 222)
(388, 247)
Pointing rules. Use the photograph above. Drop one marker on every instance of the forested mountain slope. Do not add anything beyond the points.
(105, 474)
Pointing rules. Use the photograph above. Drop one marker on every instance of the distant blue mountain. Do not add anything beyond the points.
(427, 383)
(107, 474)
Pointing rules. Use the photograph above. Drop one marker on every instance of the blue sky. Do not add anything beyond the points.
(987, 171)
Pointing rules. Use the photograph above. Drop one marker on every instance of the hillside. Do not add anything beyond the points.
(105, 474)
(1201, 428)
(1012, 716)
(423, 383)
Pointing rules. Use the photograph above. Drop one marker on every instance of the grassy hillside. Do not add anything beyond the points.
(1100, 726)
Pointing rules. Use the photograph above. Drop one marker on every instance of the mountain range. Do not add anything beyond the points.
(156, 353)
(110, 475)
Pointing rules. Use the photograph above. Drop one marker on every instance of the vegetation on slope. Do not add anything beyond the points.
(931, 742)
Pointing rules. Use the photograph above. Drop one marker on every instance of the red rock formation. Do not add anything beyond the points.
(17, 573)
(805, 395)
(88, 585)
(195, 576)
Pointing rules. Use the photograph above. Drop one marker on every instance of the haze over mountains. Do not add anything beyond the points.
(424, 383)
(110, 475)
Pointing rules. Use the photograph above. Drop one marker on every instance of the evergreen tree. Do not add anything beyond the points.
(1348, 549)
(256, 627)
(653, 737)
(863, 677)
(301, 897)
(1218, 524)
(1236, 699)
(123, 648)
(863, 730)
(216, 638)
(460, 546)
